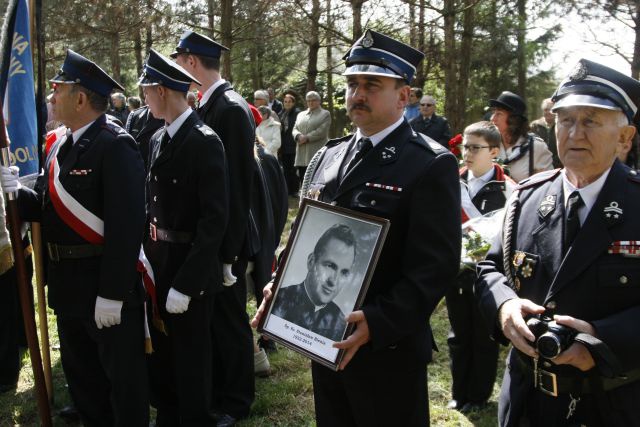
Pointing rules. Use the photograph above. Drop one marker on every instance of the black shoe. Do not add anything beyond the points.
(469, 407)
(225, 420)
(5, 388)
(455, 404)
(268, 345)
(69, 413)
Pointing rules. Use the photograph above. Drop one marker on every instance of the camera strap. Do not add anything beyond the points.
(607, 363)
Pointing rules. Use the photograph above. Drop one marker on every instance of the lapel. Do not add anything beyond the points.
(331, 172)
(176, 142)
(386, 152)
(81, 146)
(202, 111)
(550, 214)
(594, 236)
(147, 127)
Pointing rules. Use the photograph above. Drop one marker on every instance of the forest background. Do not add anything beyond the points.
(474, 49)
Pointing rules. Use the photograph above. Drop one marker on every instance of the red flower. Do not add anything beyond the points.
(454, 145)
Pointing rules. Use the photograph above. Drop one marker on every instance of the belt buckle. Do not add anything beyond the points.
(54, 255)
(548, 383)
(153, 232)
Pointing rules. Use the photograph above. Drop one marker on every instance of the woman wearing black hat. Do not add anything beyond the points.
(523, 154)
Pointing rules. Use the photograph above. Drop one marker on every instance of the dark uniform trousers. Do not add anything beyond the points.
(412, 181)
(12, 336)
(589, 281)
(98, 364)
(228, 114)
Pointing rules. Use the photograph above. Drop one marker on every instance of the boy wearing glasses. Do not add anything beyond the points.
(484, 187)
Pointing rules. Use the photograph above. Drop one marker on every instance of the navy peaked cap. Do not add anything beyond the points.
(380, 55)
(161, 71)
(594, 85)
(197, 44)
(511, 102)
(77, 69)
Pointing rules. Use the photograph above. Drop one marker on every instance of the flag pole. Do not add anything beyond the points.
(35, 9)
(23, 287)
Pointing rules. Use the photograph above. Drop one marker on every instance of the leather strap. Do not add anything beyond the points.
(170, 236)
(57, 252)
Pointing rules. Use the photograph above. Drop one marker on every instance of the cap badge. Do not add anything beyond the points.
(580, 72)
(367, 40)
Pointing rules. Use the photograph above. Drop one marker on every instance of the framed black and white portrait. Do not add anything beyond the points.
(323, 276)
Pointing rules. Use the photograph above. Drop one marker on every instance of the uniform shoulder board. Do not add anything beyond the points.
(634, 176)
(205, 130)
(114, 128)
(537, 179)
(428, 143)
(338, 141)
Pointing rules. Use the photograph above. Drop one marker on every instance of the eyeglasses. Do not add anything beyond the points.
(474, 148)
(427, 105)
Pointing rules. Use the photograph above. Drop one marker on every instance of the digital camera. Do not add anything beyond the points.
(551, 337)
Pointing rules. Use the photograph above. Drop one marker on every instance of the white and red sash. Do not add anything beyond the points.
(91, 228)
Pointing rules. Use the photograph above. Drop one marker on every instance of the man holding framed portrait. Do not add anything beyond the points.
(387, 170)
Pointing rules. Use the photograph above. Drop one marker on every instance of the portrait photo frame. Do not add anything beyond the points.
(323, 275)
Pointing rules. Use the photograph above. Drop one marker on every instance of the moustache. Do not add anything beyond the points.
(359, 106)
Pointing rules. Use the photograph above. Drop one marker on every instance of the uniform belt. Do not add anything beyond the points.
(58, 252)
(170, 236)
(553, 384)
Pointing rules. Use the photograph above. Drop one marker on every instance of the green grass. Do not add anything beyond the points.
(283, 399)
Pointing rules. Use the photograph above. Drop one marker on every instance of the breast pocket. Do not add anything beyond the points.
(375, 201)
(80, 181)
(621, 276)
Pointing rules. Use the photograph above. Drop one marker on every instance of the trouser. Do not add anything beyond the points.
(473, 354)
(383, 388)
(290, 176)
(12, 335)
(105, 369)
(301, 172)
(180, 366)
(233, 378)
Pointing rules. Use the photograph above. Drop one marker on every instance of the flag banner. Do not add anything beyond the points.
(17, 91)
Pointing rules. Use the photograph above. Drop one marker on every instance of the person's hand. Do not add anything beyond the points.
(228, 278)
(177, 302)
(107, 312)
(358, 338)
(267, 294)
(514, 327)
(577, 354)
(10, 178)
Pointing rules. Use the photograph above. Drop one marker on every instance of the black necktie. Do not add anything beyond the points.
(165, 140)
(363, 145)
(572, 226)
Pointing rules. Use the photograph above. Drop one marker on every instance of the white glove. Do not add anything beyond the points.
(107, 312)
(10, 178)
(228, 278)
(177, 302)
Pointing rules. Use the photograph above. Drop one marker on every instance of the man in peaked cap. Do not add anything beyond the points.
(382, 379)
(90, 201)
(187, 192)
(569, 251)
(523, 153)
(227, 113)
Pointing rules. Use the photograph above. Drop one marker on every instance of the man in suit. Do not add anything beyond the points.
(90, 201)
(430, 124)
(568, 250)
(388, 170)
(141, 125)
(228, 114)
(310, 303)
(187, 209)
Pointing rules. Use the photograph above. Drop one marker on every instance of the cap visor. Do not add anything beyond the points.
(371, 70)
(579, 100)
(62, 78)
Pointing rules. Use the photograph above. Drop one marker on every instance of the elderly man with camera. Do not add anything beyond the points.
(562, 282)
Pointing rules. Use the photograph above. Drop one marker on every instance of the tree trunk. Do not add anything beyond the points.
(421, 72)
(449, 58)
(329, 96)
(314, 45)
(458, 120)
(115, 56)
(356, 9)
(521, 53)
(137, 48)
(211, 7)
(226, 28)
(148, 28)
(413, 36)
(635, 61)
(494, 84)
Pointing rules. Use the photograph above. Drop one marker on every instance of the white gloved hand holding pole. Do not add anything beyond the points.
(10, 178)
(107, 312)
(177, 302)
(228, 278)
